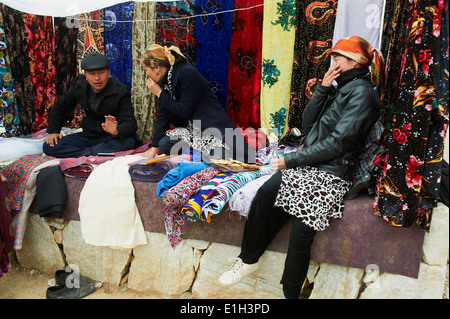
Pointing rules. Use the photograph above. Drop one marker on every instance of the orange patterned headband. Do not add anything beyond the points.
(361, 51)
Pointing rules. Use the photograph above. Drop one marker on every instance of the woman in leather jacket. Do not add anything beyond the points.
(311, 182)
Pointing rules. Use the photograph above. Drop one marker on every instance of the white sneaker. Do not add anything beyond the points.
(237, 272)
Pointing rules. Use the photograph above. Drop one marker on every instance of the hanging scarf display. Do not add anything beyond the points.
(244, 70)
(277, 55)
(392, 46)
(313, 43)
(144, 102)
(39, 30)
(118, 40)
(174, 27)
(213, 36)
(417, 120)
(9, 117)
(65, 54)
(90, 35)
(20, 67)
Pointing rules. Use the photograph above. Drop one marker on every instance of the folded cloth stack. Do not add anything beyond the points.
(220, 196)
(177, 174)
(193, 208)
(242, 200)
(177, 196)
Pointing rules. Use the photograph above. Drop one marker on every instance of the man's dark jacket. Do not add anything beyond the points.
(337, 122)
(116, 101)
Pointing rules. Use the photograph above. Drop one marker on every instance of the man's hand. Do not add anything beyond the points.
(52, 139)
(110, 125)
(151, 153)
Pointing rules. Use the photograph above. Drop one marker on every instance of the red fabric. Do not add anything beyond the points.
(244, 72)
(40, 41)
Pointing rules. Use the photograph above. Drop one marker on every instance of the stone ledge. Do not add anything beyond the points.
(357, 240)
(193, 267)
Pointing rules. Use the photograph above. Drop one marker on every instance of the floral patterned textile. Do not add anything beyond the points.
(277, 55)
(9, 116)
(39, 30)
(118, 34)
(174, 27)
(244, 70)
(65, 54)
(408, 188)
(213, 36)
(177, 196)
(144, 102)
(17, 174)
(313, 42)
(20, 67)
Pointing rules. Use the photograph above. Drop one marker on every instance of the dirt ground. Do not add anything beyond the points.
(21, 283)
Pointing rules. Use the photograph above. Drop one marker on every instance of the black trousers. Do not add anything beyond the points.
(263, 223)
(76, 145)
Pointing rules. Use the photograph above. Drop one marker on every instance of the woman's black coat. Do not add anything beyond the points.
(189, 99)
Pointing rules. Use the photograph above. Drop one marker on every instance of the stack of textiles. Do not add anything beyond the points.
(194, 191)
(154, 170)
(177, 174)
(175, 197)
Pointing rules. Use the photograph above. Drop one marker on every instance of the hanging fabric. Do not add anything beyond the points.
(213, 36)
(175, 27)
(392, 46)
(118, 40)
(417, 127)
(313, 43)
(244, 71)
(89, 40)
(39, 30)
(277, 56)
(144, 102)
(90, 35)
(363, 18)
(9, 116)
(65, 54)
(20, 67)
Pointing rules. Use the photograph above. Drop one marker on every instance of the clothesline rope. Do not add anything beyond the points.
(76, 17)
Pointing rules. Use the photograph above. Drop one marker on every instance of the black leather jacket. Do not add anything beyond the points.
(337, 122)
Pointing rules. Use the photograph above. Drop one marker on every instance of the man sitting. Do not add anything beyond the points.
(109, 124)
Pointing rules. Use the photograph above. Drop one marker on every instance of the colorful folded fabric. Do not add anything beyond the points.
(154, 170)
(177, 174)
(243, 198)
(221, 195)
(17, 174)
(177, 196)
(193, 208)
